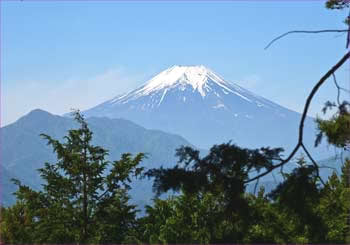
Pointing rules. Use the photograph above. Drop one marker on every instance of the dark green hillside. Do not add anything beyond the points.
(24, 150)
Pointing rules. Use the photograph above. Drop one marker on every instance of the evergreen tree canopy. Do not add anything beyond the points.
(81, 201)
(223, 171)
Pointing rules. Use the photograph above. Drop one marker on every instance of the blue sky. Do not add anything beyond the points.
(62, 55)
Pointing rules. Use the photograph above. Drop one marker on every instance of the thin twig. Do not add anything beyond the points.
(256, 185)
(344, 89)
(338, 88)
(348, 36)
(309, 32)
(282, 173)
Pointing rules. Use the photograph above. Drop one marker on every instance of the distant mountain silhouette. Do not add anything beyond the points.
(23, 151)
(198, 104)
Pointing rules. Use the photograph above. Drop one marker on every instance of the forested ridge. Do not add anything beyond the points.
(85, 199)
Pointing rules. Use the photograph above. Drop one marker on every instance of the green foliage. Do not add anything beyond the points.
(85, 197)
(188, 218)
(269, 224)
(84, 201)
(333, 209)
(337, 129)
(17, 224)
(337, 4)
(80, 202)
(297, 196)
(23, 152)
(223, 171)
(296, 211)
(293, 215)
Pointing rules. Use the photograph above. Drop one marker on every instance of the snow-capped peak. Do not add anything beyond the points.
(196, 76)
(183, 79)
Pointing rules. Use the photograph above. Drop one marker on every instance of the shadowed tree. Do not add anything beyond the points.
(221, 174)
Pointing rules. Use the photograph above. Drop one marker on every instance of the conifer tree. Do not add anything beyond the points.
(82, 200)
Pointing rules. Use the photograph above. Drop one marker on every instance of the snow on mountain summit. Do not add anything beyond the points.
(188, 78)
(196, 76)
(195, 102)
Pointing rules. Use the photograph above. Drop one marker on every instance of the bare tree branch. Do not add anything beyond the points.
(308, 32)
(303, 117)
(314, 163)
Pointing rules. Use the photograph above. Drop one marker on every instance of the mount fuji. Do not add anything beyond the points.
(198, 104)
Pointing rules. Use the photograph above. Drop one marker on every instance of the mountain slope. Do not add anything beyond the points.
(7, 188)
(198, 104)
(23, 151)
